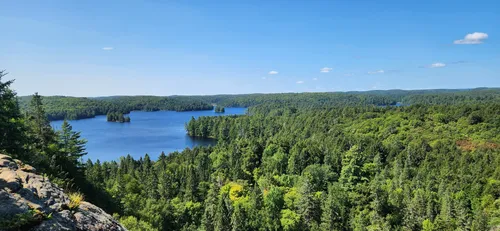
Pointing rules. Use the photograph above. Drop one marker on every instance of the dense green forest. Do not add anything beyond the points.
(63, 107)
(117, 117)
(353, 168)
(71, 108)
(380, 98)
(309, 161)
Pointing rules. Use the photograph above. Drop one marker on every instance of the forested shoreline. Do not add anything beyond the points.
(308, 161)
(73, 108)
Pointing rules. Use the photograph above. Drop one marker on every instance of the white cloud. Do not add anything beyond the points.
(437, 65)
(474, 38)
(273, 72)
(315, 79)
(376, 72)
(326, 69)
(107, 48)
(300, 82)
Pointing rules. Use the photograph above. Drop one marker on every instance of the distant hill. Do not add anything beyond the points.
(67, 107)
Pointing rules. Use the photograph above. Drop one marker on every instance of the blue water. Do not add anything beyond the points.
(148, 132)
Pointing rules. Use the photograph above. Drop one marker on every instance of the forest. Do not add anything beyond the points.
(73, 108)
(377, 97)
(380, 160)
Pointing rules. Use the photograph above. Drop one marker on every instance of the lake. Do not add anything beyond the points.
(148, 132)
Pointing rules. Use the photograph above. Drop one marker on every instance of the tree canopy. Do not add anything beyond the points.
(380, 160)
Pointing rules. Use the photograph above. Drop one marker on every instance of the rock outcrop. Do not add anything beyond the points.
(29, 201)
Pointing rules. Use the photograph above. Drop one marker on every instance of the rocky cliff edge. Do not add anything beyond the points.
(29, 201)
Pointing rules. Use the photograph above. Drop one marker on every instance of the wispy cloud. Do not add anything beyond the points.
(437, 65)
(459, 62)
(273, 72)
(300, 82)
(263, 77)
(376, 72)
(474, 38)
(107, 48)
(326, 69)
(315, 79)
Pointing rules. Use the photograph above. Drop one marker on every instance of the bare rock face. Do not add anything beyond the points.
(30, 202)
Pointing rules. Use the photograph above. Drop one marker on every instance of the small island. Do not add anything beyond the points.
(117, 117)
(219, 109)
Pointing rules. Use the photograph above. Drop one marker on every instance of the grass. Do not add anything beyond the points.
(75, 199)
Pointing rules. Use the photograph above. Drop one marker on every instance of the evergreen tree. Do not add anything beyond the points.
(71, 144)
(335, 209)
(39, 122)
(12, 129)
(273, 203)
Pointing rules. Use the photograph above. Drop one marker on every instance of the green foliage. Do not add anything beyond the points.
(346, 168)
(376, 168)
(117, 117)
(290, 220)
(13, 130)
(220, 109)
(132, 224)
(23, 221)
(268, 102)
(311, 161)
(29, 137)
(71, 108)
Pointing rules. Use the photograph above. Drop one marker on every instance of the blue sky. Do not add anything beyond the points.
(97, 48)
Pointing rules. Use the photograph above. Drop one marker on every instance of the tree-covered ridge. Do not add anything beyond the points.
(378, 97)
(117, 117)
(63, 107)
(420, 167)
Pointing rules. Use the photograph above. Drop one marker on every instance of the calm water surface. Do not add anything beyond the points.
(148, 132)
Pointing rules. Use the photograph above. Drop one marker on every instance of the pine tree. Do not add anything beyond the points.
(39, 122)
(43, 141)
(12, 128)
(309, 206)
(335, 210)
(68, 157)
(223, 213)
(150, 178)
(71, 143)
